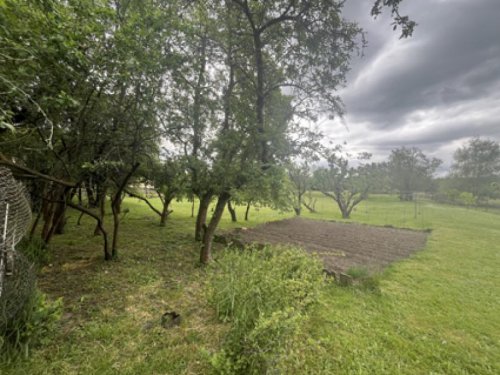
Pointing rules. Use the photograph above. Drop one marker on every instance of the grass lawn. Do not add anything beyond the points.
(438, 313)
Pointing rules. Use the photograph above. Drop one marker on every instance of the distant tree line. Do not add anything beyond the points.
(474, 177)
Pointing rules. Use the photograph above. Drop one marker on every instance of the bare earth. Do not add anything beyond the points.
(340, 245)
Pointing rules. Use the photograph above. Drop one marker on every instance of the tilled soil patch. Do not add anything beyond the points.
(340, 245)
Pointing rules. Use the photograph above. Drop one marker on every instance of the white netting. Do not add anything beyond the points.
(16, 272)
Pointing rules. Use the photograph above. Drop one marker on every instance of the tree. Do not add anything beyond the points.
(303, 46)
(168, 178)
(346, 185)
(477, 165)
(234, 116)
(87, 94)
(301, 178)
(411, 170)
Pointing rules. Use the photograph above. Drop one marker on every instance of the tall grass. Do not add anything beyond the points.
(265, 294)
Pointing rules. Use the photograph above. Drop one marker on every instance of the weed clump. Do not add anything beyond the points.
(364, 280)
(265, 294)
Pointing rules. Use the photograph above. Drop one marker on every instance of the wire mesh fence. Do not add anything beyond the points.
(17, 274)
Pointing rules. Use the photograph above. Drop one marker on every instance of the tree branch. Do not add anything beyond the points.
(134, 195)
(6, 162)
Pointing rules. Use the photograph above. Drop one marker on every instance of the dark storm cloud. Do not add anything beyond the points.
(432, 90)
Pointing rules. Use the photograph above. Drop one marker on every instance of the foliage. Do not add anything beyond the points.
(32, 327)
(411, 171)
(265, 295)
(404, 22)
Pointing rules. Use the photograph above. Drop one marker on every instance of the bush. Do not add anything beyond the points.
(31, 327)
(265, 295)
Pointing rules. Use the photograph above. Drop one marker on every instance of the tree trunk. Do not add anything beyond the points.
(116, 208)
(79, 221)
(201, 218)
(41, 211)
(80, 197)
(91, 200)
(58, 211)
(260, 100)
(208, 235)
(102, 210)
(35, 224)
(232, 211)
(343, 210)
(61, 215)
(165, 211)
(116, 228)
(119, 203)
(48, 215)
(247, 211)
(298, 208)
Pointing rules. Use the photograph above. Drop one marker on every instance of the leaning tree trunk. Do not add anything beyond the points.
(310, 207)
(201, 218)
(232, 211)
(208, 235)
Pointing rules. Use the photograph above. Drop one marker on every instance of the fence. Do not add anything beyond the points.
(17, 274)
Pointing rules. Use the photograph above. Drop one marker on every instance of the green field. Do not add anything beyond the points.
(438, 312)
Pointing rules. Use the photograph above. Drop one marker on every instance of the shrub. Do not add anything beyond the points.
(31, 327)
(265, 294)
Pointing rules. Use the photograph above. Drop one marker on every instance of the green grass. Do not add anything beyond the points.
(438, 312)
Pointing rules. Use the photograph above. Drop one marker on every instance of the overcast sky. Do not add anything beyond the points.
(434, 90)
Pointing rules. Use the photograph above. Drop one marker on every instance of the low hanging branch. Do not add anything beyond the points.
(10, 164)
(83, 210)
(144, 199)
(310, 207)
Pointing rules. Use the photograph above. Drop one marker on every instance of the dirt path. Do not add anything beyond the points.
(340, 245)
